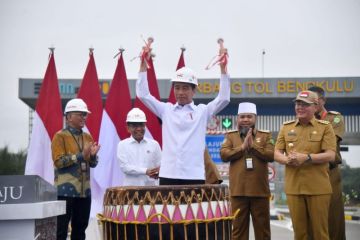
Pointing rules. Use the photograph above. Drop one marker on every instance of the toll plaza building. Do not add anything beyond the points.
(273, 97)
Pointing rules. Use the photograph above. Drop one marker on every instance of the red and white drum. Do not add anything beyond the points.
(167, 212)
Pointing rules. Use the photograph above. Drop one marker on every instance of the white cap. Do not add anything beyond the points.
(136, 115)
(185, 75)
(247, 107)
(76, 105)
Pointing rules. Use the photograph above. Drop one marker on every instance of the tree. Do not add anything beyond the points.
(351, 184)
(12, 163)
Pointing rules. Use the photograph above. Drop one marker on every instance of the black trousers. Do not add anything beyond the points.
(78, 211)
(173, 181)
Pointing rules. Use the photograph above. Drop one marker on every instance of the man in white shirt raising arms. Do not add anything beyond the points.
(139, 157)
(183, 125)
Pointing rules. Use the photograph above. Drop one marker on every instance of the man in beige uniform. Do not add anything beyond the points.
(249, 150)
(306, 146)
(336, 212)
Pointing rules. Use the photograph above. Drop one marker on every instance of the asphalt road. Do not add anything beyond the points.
(281, 230)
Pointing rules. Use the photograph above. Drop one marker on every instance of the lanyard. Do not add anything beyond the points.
(77, 142)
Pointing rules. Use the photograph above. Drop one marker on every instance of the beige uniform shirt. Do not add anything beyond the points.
(337, 122)
(315, 137)
(243, 182)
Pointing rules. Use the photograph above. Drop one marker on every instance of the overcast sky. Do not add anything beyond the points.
(302, 38)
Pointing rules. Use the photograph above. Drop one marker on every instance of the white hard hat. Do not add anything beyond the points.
(185, 75)
(76, 105)
(136, 115)
(247, 107)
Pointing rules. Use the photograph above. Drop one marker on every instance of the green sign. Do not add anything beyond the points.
(227, 122)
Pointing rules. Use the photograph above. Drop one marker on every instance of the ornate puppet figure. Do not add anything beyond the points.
(221, 58)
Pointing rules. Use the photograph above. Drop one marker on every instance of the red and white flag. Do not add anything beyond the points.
(90, 92)
(153, 124)
(113, 129)
(48, 119)
(181, 63)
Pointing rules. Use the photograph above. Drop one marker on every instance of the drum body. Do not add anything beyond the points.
(167, 212)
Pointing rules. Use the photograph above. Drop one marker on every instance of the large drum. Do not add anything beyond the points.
(167, 212)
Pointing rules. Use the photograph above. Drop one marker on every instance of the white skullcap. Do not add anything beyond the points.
(247, 107)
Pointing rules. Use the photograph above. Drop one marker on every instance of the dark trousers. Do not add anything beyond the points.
(173, 181)
(78, 211)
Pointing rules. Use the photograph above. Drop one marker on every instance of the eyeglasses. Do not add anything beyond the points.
(80, 114)
(136, 125)
(303, 104)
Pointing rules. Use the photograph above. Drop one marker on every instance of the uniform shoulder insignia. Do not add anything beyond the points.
(334, 112)
(288, 122)
(323, 121)
(231, 131)
(264, 131)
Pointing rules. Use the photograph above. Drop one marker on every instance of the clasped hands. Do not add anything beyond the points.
(90, 149)
(248, 141)
(296, 159)
(153, 172)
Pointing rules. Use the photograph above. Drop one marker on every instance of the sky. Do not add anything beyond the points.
(301, 38)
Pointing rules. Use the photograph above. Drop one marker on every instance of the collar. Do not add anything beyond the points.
(254, 131)
(191, 105)
(74, 130)
(312, 121)
(133, 140)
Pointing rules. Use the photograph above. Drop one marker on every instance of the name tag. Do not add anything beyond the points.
(249, 164)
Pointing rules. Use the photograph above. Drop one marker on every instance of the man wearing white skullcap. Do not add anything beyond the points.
(249, 150)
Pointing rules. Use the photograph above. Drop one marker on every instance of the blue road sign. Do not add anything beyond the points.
(213, 143)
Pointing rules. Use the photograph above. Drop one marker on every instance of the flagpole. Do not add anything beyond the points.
(52, 48)
(183, 48)
(121, 50)
(262, 63)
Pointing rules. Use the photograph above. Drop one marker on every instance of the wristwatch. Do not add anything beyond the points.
(309, 159)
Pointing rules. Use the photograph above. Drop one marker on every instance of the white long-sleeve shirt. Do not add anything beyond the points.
(135, 158)
(183, 130)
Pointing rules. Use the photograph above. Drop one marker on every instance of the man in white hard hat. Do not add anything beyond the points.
(249, 150)
(183, 125)
(74, 152)
(139, 157)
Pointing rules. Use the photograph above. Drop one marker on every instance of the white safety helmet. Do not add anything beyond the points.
(185, 75)
(136, 115)
(76, 105)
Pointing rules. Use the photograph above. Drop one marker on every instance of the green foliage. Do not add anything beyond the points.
(12, 163)
(351, 185)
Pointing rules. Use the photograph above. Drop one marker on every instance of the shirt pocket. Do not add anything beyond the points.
(315, 140)
(291, 139)
(291, 142)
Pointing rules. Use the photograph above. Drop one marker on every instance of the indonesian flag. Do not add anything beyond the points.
(181, 63)
(90, 92)
(113, 129)
(153, 124)
(48, 119)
